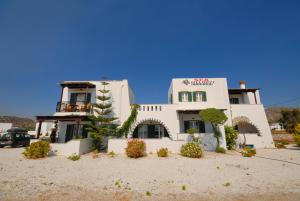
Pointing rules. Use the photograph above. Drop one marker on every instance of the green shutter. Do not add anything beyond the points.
(180, 96)
(194, 96)
(190, 96)
(204, 99)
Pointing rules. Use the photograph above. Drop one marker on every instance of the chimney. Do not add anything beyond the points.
(242, 84)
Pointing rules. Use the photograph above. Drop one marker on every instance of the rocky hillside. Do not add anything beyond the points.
(21, 122)
(274, 113)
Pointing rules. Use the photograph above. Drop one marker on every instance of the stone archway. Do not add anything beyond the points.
(150, 128)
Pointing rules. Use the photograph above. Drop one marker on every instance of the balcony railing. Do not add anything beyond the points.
(67, 106)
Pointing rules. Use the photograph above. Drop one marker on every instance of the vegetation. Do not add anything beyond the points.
(221, 150)
(111, 154)
(297, 135)
(102, 124)
(162, 152)
(226, 184)
(279, 145)
(136, 148)
(191, 150)
(290, 119)
(95, 154)
(36, 150)
(248, 152)
(148, 193)
(74, 157)
(215, 117)
(231, 136)
(183, 187)
(125, 128)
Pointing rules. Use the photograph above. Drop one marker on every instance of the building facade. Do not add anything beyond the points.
(186, 98)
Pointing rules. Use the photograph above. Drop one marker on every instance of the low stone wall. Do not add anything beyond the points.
(72, 147)
(152, 145)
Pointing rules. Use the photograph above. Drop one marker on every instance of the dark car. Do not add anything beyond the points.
(15, 137)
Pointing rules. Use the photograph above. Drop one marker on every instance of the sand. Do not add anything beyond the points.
(273, 175)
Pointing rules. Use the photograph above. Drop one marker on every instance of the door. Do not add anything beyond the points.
(69, 132)
(151, 131)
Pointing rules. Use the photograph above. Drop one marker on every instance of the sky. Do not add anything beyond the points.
(148, 42)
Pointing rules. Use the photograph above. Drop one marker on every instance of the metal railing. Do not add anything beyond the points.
(67, 106)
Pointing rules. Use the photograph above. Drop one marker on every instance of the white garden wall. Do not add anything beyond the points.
(152, 145)
(72, 147)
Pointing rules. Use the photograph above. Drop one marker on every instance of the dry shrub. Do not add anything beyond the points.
(136, 148)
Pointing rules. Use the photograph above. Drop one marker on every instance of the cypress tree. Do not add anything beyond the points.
(102, 121)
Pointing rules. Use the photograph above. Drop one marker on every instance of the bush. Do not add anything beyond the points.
(136, 148)
(74, 157)
(279, 145)
(248, 152)
(191, 150)
(111, 154)
(231, 137)
(297, 139)
(36, 150)
(162, 152)
(221, 150)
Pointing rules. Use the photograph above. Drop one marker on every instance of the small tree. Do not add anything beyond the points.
(191, 132)
(215, 117)
(102, 123)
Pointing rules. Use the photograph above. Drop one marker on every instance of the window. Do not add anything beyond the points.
(200, 125)
(76, 98)
(199, 96)
(234, 101)
(185, 96)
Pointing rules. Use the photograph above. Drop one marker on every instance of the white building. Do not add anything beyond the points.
(186, 98)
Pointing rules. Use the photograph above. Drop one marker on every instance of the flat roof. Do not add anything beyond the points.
(239, 91)
(78, 84)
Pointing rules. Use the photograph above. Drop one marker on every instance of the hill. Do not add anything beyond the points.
(21, 122)
(274, 113)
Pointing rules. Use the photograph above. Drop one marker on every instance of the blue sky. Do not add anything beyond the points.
(148, 43)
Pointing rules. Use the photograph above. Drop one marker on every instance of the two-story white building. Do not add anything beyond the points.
(186, 98)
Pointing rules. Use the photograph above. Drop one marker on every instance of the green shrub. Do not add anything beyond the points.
(297, 139)
(191, 150)
(111, 154)
(74, 157)
(279, 145)
(162, 152)
(231, 135)
(38, 149)
(248, 152)
(221, 150)
(136, 148)
(192, 130)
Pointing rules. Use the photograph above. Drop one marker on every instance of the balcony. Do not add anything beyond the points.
(67, 106)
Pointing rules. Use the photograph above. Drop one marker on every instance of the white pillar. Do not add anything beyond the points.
(223, 138)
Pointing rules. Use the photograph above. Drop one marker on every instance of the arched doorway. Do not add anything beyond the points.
(150, 129)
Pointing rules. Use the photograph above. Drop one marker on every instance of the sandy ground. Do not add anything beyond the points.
(214, 177)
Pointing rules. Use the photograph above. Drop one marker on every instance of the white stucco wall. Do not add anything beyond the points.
(256, 114)
(72, 147)
(5, 126)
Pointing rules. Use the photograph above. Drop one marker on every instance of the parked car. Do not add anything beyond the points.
(15, 137)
